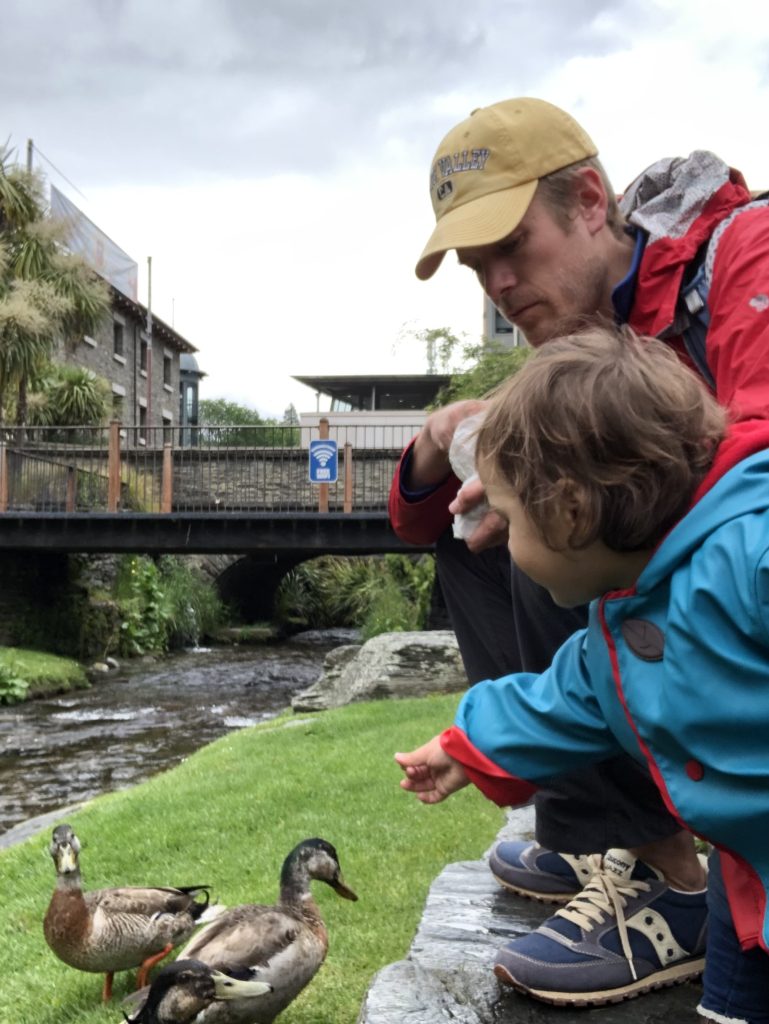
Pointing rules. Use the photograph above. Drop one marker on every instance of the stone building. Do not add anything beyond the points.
(143, 371)
(139, 355)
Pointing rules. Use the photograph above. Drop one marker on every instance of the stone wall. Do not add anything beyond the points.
(276, 479)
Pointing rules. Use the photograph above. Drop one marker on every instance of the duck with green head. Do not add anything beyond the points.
(283, 944)
(185, 991)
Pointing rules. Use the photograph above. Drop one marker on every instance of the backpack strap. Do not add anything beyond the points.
(692, 313)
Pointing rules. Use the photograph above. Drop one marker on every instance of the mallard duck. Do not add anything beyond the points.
(110, 930)
(186, 988)
(284, 944)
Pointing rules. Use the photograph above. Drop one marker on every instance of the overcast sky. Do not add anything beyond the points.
(272, 156)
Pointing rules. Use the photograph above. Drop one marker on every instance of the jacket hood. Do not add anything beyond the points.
(677, 202)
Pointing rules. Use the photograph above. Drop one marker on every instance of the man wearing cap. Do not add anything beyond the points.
(519, 193)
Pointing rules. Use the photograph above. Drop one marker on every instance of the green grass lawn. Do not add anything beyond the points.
(228, 816)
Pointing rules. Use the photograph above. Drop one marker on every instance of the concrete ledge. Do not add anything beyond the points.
(447, 976)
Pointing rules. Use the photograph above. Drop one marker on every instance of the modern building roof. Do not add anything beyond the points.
(379, 391)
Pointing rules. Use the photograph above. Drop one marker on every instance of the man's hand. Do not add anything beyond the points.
(431, 775)
(491, 530)
(430, 455)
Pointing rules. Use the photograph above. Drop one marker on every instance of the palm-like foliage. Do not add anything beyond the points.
(45, 292)
(69, 396)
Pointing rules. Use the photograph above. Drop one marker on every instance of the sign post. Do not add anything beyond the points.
(324, 464)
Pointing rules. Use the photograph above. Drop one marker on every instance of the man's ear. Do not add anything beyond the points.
(592, 200)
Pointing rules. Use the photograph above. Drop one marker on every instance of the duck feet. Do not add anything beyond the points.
(149, 963)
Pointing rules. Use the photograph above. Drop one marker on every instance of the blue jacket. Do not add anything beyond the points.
(676, 673)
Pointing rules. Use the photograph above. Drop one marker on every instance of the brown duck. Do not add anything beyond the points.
(110, 930)
(284, 944)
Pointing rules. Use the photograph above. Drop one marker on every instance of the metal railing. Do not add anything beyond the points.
(193, 469)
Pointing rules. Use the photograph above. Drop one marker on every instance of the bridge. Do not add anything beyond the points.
(233, 490)
(242, 492)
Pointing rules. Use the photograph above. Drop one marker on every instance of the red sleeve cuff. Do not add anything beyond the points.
(494, 782)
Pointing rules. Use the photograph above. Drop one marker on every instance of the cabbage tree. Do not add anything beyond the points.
(46, 293)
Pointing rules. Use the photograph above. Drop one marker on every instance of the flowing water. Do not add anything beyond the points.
(143, 719)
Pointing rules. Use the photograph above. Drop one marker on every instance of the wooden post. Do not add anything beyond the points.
(113, 467)
(167, 490)
(323, 488)
(348, 477)
(3, 477)
(71, 488)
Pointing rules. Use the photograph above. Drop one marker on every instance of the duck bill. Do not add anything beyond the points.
(231, 988)
(343, 890)
(66, 859)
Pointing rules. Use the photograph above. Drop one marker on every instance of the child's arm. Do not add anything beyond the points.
(514, 733)
(431, 775)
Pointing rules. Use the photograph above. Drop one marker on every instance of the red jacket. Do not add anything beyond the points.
(678, 204)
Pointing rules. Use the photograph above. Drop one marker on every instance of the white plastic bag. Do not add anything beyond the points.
(462, 459)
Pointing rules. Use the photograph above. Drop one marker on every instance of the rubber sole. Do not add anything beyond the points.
(676, 975)
(554, 898)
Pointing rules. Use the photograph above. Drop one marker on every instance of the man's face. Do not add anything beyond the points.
(544, 274)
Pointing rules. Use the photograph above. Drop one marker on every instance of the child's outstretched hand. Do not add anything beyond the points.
(431, 775)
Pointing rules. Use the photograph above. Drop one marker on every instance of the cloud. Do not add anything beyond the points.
(272, 156)
(178, 91)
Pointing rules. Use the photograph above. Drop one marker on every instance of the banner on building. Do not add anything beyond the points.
(99, 251)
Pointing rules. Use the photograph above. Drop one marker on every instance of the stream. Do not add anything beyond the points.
(144, 718)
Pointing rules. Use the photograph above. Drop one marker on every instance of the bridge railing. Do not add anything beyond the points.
(193, 469)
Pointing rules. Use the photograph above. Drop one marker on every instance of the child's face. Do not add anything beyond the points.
(572, 576)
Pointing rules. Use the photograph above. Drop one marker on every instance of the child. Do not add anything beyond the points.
(623, 485)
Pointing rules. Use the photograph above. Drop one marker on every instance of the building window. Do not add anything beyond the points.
(118, 401)
(142, 433)
(118, 338)
(166, 370)
(143, 355)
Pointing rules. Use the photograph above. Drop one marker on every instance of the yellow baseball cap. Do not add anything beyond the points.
(485, 172)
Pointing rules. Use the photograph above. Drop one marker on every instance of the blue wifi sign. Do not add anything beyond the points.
(324, 462)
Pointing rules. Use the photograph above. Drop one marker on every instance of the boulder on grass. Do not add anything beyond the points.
(390, 665)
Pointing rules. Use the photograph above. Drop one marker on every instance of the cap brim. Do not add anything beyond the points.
(480, 221)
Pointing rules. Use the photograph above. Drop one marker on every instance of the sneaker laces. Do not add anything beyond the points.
(605, 895)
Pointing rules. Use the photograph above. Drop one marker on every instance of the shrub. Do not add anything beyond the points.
(142, 625)
(399, 595)
(163, 604)
(191, 607)
(378, 594)
(12, 687)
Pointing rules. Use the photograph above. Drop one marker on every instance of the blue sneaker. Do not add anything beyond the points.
(626, 933)
(528, 869)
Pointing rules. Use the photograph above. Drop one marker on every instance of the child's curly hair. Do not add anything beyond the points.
(614, 416)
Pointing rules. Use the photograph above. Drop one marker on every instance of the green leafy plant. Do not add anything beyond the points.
(400, 599)
(163, 605)
(68, 396)
(13, 687)
(378, 594)
(191, 606)
(45, 291)
(227, 424)
(140, 599)
(491, 363)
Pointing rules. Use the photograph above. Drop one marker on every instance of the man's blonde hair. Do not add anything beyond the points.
(612, 417)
